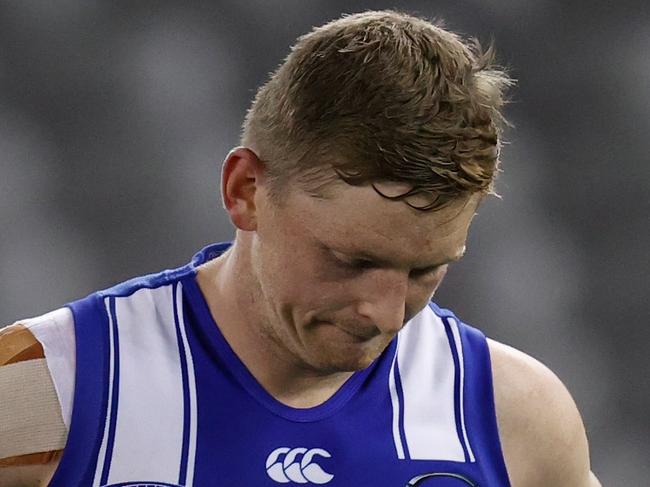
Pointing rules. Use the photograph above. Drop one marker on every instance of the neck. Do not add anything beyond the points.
(232, 294)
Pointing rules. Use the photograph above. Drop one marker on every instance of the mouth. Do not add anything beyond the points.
(359, 335)
(347, 329)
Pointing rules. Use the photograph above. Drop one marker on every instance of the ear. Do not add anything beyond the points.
(240, 178)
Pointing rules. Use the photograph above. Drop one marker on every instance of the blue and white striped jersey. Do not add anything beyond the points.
(162, 400)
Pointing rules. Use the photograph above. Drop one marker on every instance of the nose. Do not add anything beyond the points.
(383, 300)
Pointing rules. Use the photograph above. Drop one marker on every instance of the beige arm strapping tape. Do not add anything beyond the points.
(30, 414)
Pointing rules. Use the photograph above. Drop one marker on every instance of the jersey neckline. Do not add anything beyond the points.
(220, 345)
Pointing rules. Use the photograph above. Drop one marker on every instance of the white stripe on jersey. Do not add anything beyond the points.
(426, 368)
(148, 436)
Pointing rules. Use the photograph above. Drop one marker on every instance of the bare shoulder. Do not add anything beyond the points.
(542, 434)
(27, 458)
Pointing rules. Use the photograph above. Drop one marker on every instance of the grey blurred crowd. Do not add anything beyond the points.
(115, 116)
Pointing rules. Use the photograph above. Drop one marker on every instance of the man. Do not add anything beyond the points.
(308, 351)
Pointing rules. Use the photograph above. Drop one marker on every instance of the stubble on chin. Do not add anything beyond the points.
(347, 357)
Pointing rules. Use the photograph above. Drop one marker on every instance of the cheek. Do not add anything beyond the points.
(293, 283)
(320, 291)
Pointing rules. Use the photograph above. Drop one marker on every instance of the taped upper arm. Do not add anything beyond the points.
(28, 475)
(18, 344)
(32, 431)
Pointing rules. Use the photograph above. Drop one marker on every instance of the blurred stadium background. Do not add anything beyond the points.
(115, 117)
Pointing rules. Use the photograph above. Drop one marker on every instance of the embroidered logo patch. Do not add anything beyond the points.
(298, 465)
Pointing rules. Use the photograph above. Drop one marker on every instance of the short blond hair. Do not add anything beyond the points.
(382, 96)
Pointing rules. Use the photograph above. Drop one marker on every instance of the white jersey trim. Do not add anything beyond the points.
(424, 392)
(147, 337)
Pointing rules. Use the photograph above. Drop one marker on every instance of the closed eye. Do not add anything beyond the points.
(364, 264)
(360, 264)
(357, 264)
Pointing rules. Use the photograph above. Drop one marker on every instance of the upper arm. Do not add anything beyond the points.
(30, 416)
(27, 475)
(593, 481)
(542, 434)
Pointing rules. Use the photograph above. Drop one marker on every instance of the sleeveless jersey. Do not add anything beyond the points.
(162, 400)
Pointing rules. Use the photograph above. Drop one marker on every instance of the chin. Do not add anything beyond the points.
(346, 360)
(347, 365)
(328, 349)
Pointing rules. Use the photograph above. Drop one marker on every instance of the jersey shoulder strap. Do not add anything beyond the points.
(111, 339)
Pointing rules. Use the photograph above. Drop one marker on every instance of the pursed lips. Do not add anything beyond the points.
(360, 334)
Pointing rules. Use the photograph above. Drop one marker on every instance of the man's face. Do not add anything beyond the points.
(339, 277)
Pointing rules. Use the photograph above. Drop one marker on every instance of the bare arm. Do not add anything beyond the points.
(27, 475)
(593, 481)
(542, 434)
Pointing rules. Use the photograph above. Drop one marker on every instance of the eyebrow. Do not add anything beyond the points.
(369, 256)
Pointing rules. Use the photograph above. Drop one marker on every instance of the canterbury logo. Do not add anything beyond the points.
(286, 465)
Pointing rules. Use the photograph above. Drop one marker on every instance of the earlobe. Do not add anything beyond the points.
(239, 181)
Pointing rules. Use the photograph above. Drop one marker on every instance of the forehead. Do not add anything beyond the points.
(357, 219)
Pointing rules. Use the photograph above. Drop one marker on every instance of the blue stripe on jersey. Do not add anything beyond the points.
(79, 459)
(481, 423)
(115, 393)
(182, 476)
(457, 386)
(400, 399)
